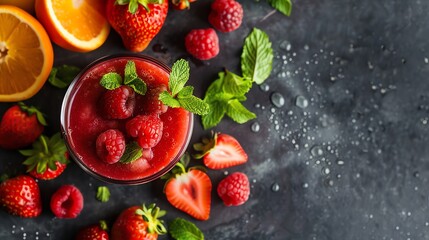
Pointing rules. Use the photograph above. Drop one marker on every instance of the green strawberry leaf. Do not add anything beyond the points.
(63, 75)
(111, 80)
(181, 229)
(103, 194)
(283, 6)
(257, 56)
(237, 112)
(132, 152)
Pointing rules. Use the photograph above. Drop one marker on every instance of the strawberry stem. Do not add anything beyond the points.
(44, 144)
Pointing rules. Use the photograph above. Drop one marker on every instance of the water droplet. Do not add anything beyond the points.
(275, 187)
(301, 102)
(277, 99)
(326, 171)
(416, 174)
(305, 185)
(286, 45)
(255, 127)
(340, 162)
(264, 87)
(426, 60)
(306, 47)
(316, 151)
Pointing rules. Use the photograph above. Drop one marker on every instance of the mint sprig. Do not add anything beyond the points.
(181, 95)
(113, 80)
(63, 75)
(132, 152)
(257, 56)
(283, 6)
(226, 94)
(181, 229)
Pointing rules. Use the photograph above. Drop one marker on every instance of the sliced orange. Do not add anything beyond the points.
(77, 25)
(26, 55)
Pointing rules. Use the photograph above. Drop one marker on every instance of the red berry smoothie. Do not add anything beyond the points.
(82, 121)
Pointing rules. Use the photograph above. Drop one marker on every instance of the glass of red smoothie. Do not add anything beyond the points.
(82, 120)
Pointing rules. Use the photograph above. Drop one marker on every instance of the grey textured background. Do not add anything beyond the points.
(353, 164)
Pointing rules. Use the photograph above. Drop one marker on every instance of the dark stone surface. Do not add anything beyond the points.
(353, 164)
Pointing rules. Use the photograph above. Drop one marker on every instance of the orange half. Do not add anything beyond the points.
(26, 55)
(77, 25)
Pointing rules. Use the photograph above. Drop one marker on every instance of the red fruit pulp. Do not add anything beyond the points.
(83, 120)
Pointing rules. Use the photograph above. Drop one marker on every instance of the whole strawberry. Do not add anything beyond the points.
(48, 158)
(136, 21)
(135, 223)
(234, 190)
(94, 232)
(21, 196)
(20, 126)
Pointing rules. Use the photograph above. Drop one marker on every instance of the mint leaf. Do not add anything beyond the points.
(132, 152)
(138, 85)
(237, 112)
(168, 100)
(63, 75)
(283, 6)
(103, 194)
(194, 104)
(236, 85)
(257, 56)
(111, 80)
(214, 116)
(186, 92)
(179, 76)
(130, 72)
(181, 229)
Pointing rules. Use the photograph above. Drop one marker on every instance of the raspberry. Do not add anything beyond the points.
(203, 44)
(146, 128)
(234, 190)
(67, 202)
(119, 103)
(226, 15)
(110, 146)
(152, 102)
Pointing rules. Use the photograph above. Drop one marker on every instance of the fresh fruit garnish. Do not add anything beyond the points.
(220, 151)
(152, 104)
(136, 21)
(94, 232)
(113, 80)
(180, 95)
(26, 55)
(189, 190)
(181, 229)
(48, 158)
(119, 103)
(74, 25)
(110, 146)
(27, 5)
(283, 6)
(226, 15)
(234, 190)
(21, 196)
(203, 44)
(67, 202)
(63, 75)
(139, 223)
(103, 194)
(225, 94)
(147, 129)
(20, 126)
(182, 4)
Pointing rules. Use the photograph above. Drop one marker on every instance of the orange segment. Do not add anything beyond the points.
(26, 55)
(77, 25)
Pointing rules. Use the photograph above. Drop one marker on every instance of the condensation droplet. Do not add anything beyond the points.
(275, 187)
(277, 99)
(340, 162)
(264, 87)
(255, 127)
(316, 151)
(326, 171)
(301, 102)
(305, 185)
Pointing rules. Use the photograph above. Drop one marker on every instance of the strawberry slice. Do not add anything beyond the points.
(221, 151)
(189, 190)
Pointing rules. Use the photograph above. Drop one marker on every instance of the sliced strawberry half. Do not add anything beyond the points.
(221, 151)
(189, 190)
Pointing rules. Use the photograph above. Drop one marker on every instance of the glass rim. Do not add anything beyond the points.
(66, 107)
